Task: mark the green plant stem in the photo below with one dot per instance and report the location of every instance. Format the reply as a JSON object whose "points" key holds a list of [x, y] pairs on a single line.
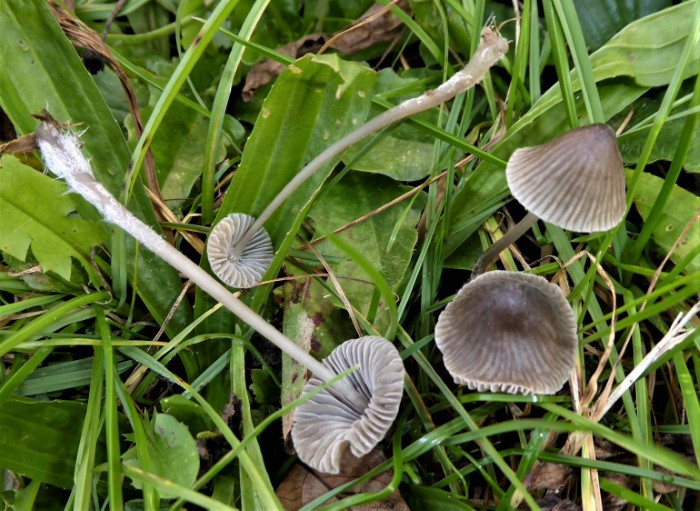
{"points": [[490, 51]]}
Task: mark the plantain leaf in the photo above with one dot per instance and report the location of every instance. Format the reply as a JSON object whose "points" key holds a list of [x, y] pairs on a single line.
{"points": [[35, 211], [316, 101], [601, 19]]}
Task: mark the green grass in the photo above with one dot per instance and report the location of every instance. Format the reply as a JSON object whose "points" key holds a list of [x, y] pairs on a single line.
{"points": [[93, 352]]}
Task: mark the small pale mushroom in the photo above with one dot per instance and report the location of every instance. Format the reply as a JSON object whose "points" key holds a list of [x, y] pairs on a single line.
{"points": [[508, 332], [330, 423], [575, 181], [236, 264]]}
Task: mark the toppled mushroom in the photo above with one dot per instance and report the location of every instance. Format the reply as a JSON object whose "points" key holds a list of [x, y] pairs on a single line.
{"points": [[330, 423], [575, 181], [235, 264], [508, 332]]}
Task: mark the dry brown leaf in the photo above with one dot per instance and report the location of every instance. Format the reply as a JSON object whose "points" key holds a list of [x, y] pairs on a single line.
{"points": [[302, 486], [20, 145], [552, 502], [267, 70], [376, 25], [549, 476]]}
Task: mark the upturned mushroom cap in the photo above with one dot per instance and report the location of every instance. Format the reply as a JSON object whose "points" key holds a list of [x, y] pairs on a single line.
{"points": [[508, 332], [239, 267], [328, 424], [575, 181]]}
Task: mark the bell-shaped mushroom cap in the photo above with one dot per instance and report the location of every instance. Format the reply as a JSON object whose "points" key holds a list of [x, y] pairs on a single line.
{"points": [[239, 266], [508, 332], [328, 424], [575, 181]]}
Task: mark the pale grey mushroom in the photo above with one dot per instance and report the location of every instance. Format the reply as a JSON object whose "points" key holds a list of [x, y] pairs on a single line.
{"points": [[239, 265], [330, 423], [575, 181], [508, 332]]}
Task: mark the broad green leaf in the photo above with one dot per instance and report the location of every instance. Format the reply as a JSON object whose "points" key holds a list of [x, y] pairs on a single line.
{"points": [[601, 19], [316, 101], [173, 453], [632, 52], [37, 212], [631, 142], [39, 68], [386, 239], [40, 439], [403, 152], [683, 205]]}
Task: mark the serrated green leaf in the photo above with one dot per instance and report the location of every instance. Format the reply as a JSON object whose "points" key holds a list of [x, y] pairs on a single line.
{"points": [[39, 68], [673, 220], [188, 412], [40, 439], [35, 211]]}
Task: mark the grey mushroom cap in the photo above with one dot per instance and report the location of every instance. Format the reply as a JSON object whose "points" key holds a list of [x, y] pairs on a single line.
{"points": [[327, 425], [239, 267], [575, 181], [508, 332]]}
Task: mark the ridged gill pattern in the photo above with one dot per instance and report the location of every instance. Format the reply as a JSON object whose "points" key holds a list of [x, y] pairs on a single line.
{"points": [[508, 332], [575, 181], [328, 424], [244, 269]]}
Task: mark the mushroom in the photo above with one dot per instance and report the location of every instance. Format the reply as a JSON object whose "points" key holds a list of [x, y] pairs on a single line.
{"points": [[330, 423], [63, 156], [508, 332], [239, 268], [575, 181], [489, 51]]}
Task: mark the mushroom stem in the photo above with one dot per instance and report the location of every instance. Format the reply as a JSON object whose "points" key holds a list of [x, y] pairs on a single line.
{"points": [[488, 257], [490, 51], [63, 157]]}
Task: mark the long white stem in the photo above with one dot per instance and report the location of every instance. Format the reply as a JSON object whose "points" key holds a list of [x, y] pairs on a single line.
{"points": [[62, 155], [490, 51]]}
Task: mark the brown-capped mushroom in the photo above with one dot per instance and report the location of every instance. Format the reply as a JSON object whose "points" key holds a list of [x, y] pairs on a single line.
{"points": [[575, 181], [330, 423], [239, 265], [508, 332]]}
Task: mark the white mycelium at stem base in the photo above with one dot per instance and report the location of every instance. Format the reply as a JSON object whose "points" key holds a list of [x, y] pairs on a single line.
{"points": [[490, 51], [62, 155]]}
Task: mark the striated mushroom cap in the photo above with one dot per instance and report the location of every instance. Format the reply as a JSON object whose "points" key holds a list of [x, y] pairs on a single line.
{"points": [[328, 424], [239, 266], [508, 332], [575, 181]]}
